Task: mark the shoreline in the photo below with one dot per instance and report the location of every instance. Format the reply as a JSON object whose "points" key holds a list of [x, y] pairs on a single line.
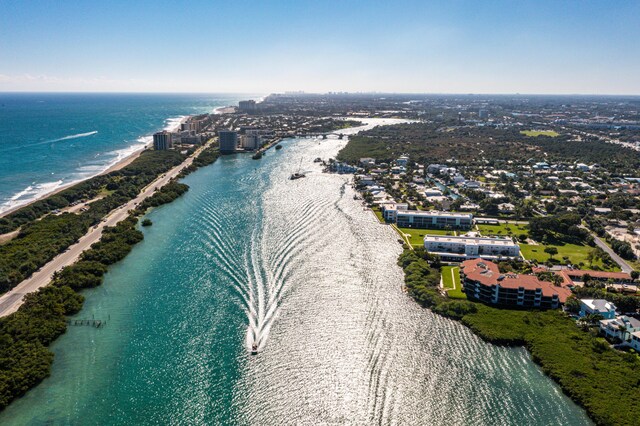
{"points": [[46, 273], [496, 327], [117, 165], [64, 298], [472, 319]]}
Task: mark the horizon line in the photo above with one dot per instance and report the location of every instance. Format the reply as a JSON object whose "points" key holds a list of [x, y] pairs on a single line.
{"points": [[299, 92]]}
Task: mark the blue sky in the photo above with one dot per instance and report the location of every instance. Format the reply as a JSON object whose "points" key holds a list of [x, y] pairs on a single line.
{"points": [[265, 46]]}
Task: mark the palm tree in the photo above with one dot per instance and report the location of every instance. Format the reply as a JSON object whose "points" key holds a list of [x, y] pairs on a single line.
{"points": [[623, 333], [592, 319]]}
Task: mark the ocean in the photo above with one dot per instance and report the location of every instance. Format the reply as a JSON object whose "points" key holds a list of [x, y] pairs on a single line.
{"points": [[48, 140], [302, 269]]}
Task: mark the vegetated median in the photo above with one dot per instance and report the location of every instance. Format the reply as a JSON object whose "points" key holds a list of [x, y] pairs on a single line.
{"points": [[25, 335], [603, 381], [44, 235]]}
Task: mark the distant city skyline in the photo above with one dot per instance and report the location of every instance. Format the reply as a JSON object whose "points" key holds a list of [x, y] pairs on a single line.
{"points": [[541, 47]]}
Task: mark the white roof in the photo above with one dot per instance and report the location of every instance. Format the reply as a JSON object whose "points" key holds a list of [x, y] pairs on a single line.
{"points": [[437, 214], [507, 242], [599, 304]]}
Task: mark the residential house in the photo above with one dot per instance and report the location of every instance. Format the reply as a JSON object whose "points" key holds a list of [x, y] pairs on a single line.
{"points": [[367, 162], [635, 341], [597, 306], [619, 327]]}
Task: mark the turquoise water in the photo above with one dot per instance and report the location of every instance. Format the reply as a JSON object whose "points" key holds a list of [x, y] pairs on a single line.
{"points": [[49, 139], [300, 267]]}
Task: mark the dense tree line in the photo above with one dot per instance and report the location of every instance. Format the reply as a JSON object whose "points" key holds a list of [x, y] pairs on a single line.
{"points": [[39, 241], [25, 359], [560, 228], [624, 303], [578, 361], [165, 195], [24, 336], [208, 156], [482, 146], [596, 224], [139, 173], [331, 124], [622, 248]]}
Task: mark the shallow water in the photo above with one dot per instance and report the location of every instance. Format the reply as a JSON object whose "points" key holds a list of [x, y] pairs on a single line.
{"points": [[300, 267], [48, 140]]}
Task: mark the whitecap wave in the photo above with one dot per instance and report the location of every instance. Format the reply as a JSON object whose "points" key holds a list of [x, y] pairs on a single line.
{"points": [[30, 193], [87, 171], [173, 123]]}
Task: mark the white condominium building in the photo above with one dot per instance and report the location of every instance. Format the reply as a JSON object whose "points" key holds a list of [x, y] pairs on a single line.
{"points": [[463, 248], [433, 219]]}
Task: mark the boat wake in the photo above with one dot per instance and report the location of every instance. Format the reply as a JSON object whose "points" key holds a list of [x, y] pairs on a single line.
{"points": [[76, 136], [64, 138], [287, 222], [277, 250]]}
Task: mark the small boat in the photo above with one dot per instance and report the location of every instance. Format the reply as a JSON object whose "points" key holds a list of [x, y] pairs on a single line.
{"points": [[257, 156], [278, 147], [298, 174], [254, 349]]}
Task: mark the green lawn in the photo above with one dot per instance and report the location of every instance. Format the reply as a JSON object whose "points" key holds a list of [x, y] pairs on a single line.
{"points": [[451, 280], [417, 235], [503, 229], [534, 133], [379, 215], [577, 360], [575, 253]]}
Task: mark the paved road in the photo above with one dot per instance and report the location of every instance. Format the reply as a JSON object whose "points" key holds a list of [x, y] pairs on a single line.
{"points": [[624, 266], [12, 300]]}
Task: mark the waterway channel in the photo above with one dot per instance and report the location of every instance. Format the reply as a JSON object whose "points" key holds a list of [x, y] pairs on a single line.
{"points": [[301, 268]]}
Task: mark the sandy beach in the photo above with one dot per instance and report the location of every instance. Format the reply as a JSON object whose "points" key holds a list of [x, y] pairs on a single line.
{"points": [[116, 166], [225, 110]]}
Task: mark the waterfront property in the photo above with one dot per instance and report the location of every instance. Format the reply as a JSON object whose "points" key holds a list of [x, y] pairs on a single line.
{"points": [[597, 307], [460, 248], [634, 343], [228, 141], [433, 219], [482, 281], [391, 210], [162, 141], [619, 327]]}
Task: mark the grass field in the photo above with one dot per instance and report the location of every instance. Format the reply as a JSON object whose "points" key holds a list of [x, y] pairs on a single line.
{"points": [[451, 281], [540, 133], [503, 229], [379, 215], [577, 360], [575, 253], [417, 235]]}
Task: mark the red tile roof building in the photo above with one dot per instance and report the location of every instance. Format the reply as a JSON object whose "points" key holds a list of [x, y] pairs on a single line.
{"points": [[571, 275], [483, 281]]}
